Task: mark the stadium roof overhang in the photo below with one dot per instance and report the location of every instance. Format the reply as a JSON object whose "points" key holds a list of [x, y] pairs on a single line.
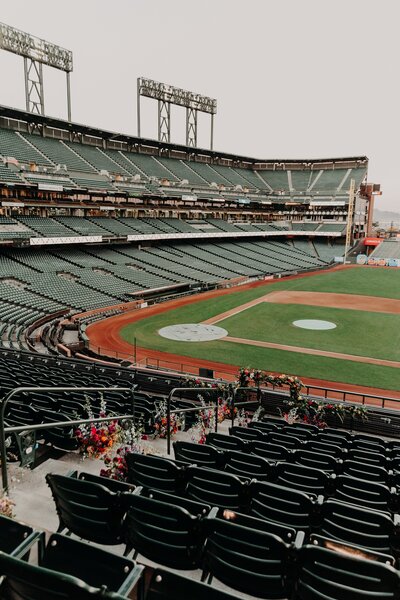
{"points": [[51, 122]]}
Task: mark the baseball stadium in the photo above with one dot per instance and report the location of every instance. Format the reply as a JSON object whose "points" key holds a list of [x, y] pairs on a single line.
{"points": [[217, 335]]}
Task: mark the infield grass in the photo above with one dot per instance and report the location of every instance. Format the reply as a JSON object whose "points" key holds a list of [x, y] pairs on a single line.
{"points": [[372, 335]]}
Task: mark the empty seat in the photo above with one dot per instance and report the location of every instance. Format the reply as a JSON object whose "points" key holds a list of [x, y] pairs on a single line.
{"points": [[335, 440], [15, 537], [165, 533], [371, 458], [89, 510], [368, 446], [323, 573], [316, 460], [366, 471], [246, 559], [243, 464], [288, 441], [201, 455], [154, 472], [355, 525], [282, 505], [68, 569], [247, 433], [225, 442], [331, 449], [193, 507], [304, 479], [301, 434], [364, 493], [165, 585], [337, 432], [215, 488], [263, 426], [271, 452]]}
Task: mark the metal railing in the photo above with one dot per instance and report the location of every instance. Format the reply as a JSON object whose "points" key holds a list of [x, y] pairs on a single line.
{"points": [[4, 401], [351, 396], [214, 406]]}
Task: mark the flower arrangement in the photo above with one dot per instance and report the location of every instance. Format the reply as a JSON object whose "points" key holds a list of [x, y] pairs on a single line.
{"points": [[96, 439], [7, 506], [160, 421], [115, 466]]}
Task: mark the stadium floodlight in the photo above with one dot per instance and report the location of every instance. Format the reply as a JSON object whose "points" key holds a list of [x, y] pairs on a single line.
{"points": [[167, 95], [36, 53]]}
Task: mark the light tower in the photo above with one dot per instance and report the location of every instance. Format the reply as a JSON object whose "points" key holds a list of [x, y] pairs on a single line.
{"points": [[36, 53]]}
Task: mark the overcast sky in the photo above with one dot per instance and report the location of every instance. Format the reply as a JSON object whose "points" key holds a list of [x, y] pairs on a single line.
{"points": [[293, 78]]}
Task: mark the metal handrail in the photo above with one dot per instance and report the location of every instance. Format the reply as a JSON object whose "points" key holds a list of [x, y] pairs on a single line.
{"points": [[4, 401], [200, 408], [194, 409]]}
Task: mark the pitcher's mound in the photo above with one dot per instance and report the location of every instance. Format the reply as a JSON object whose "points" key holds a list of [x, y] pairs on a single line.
{"points": [[193, 332]]}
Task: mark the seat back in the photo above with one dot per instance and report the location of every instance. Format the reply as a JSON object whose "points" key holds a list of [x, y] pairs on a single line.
{"points": [[282, 505], [97, 567], [263, 427], [193, 507], [165, 585], [331, 449], [352, 524], [247, 560], [371, 458], [333, 439], [269, 451], [243, 464], [362, 470], [316, 460], [198, 454], [247, 433], [304, 479], [301, 434], [363, 493], [13, 536], [162, 532], [154, 472], [215, 488], [25, 581], [368, 446], [89, 510], [225, 442], [287, 534], [283, 439], [60, 437], [111, 484], [331, 575]]}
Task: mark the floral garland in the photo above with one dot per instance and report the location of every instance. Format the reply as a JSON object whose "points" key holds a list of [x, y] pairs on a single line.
{"points": [[301, 408], [246, 377]]}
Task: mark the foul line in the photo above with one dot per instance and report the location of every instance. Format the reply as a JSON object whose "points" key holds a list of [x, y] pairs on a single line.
{"points": [[302, 350]]}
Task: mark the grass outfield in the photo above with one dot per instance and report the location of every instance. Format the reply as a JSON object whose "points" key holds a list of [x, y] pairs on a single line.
{"points": [[357, 332], [361, 280]]}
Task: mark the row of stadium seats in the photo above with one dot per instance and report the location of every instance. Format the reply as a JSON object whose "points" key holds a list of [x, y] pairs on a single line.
{"points": [[387, 249], [38, 282], [27, 226], [90, 161], [244, 554], [250, 553]]}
